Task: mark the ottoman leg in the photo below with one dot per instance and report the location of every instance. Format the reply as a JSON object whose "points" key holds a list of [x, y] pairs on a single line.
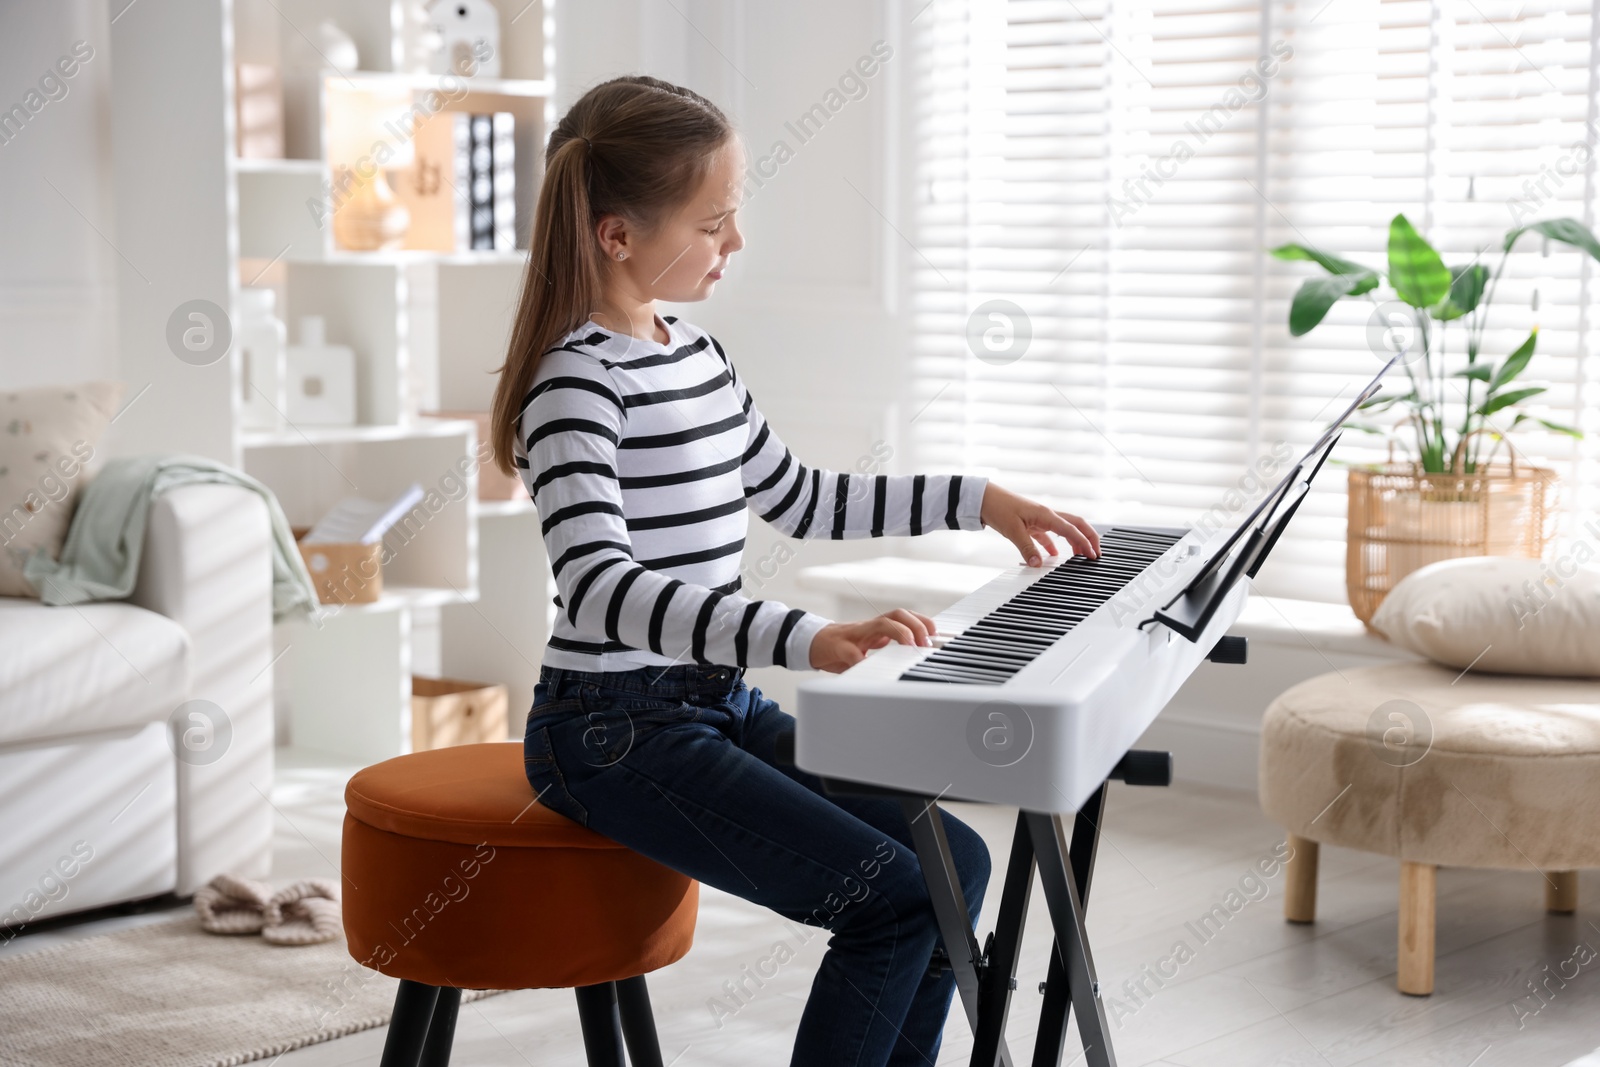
{"points": [[442, 1030], [638, 1022], [1561, 892], [602, 1029], [1416, 928], [1300, 881], [408, 1027]]}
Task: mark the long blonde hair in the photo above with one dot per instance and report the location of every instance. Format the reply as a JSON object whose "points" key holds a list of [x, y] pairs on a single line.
{"points": [[634, 146]]}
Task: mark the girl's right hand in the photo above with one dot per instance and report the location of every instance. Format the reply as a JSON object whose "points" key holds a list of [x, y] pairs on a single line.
{"points": [[839, 646]]}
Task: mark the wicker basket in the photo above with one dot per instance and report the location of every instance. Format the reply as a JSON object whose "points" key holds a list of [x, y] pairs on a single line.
{"points": [[1401, 519]]}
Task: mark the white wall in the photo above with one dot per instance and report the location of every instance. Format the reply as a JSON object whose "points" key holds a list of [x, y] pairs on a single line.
{"points": [[57, 269]]}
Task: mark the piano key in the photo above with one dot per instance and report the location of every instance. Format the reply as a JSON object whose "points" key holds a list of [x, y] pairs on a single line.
{"points": [[990, 644], [1024, 627], [960, 672], [1035, 597], [970, 653], [977, 663], [1030, 646], [1006, 621], [914, 676], [1050, 618], [1042, 613]]}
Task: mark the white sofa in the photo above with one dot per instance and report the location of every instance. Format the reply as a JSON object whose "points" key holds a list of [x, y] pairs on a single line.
{"points": [[96, 807]]}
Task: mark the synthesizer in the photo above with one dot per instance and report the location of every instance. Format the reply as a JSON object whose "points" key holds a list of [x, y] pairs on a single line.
{"points": [[1037, 684]]}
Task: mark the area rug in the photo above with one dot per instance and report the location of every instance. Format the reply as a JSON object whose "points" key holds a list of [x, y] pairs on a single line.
{"points": [[168, 994]]}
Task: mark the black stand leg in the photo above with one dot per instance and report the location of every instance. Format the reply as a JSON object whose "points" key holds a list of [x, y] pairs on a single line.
{"points": [[1053, 1012], [1057, 990], [986, 979], [949, 905], [442, 1030], [1066, 914], [408, 1027], [638, 1022], [999, 977], [602, 1028], [1086, 839]]}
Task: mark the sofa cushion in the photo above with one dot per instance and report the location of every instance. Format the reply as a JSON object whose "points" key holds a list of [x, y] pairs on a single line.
{"points": [[47, 450], [87, 668]]}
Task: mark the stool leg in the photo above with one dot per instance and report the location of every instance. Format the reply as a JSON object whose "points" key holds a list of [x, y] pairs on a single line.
{"points": [[1416, 928], [602, 1028], [1300, 881], [408, 1028], [1561, 892], [442, 1030], [638, 1022]]}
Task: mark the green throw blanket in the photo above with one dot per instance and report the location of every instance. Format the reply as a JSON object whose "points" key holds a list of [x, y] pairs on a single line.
{"points": [[100, 559]]}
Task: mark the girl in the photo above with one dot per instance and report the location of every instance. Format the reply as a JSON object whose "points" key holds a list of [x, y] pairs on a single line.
{"points": [[642, 449]]}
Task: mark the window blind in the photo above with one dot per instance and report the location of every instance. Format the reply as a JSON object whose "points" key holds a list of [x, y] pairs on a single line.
{"points": [[1094, 319]]}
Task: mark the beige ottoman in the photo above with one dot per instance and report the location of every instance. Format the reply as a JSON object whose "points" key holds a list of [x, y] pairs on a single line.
{"points": [[1437, 768]]}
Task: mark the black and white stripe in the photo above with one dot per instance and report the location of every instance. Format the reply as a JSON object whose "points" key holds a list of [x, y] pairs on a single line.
{"points": [[643, 459]]}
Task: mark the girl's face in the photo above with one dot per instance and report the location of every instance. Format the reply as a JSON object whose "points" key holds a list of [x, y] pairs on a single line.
{"points": [[681, 261]]}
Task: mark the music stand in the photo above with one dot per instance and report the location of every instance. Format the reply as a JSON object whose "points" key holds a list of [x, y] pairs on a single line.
{"points": [[1191, 609]]}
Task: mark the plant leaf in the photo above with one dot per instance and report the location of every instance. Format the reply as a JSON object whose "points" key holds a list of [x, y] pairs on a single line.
{"points": [[1478, 372], [1567, 231], [1385, 402], [1554, 427], [1316, 295], [1558, 428], [1330, 263], [1505, 400], [1514, 364], [1466, 289], [1418, 275], [1467, 285]]}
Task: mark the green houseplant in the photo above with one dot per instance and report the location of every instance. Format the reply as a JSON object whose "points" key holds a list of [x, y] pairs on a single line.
{"points": [[1448, 498]]}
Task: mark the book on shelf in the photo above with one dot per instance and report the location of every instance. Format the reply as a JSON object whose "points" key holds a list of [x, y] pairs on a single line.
{"points": [[356, 521], [461, 191], [490, 180], [427, 187]]}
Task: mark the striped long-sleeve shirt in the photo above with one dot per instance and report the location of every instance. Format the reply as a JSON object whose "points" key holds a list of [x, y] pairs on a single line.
{"points": [[642, 459]]}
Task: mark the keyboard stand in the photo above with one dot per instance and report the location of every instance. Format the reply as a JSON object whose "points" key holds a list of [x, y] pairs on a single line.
{"points": [[986, 978]]}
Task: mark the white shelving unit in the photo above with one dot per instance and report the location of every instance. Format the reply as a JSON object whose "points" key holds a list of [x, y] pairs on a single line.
{"points": [[427, 328]]}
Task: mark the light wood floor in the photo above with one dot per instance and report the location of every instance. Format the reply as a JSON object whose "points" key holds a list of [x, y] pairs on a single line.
{"points": [[1256, 992]]}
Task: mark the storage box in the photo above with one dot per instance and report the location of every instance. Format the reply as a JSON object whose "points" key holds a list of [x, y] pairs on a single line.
{"points": [[447, 711], [343, 573]]}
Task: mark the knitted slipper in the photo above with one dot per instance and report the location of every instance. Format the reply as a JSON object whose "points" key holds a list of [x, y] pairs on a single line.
{"points": [[304, 913], [231, 905]]}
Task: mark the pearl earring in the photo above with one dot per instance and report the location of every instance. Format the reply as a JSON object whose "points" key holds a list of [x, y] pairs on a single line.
{"points": [[622, 255]]}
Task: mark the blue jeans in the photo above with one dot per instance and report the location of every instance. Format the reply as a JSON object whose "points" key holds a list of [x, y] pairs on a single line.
{"points": [[677, 763]]}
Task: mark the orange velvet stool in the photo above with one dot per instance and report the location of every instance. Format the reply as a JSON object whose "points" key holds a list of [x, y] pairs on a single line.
{"points": [[455, 878]]}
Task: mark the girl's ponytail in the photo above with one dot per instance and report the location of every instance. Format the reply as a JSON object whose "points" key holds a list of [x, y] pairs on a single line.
{"points": [[634, 146]]}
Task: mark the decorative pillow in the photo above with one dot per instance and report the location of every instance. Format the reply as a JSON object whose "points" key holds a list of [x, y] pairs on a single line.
{"points": [[1500, 614], [47, 450]]}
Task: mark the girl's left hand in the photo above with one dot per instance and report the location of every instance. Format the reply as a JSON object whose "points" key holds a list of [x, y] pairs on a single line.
{"points": [[1023, 521]]}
